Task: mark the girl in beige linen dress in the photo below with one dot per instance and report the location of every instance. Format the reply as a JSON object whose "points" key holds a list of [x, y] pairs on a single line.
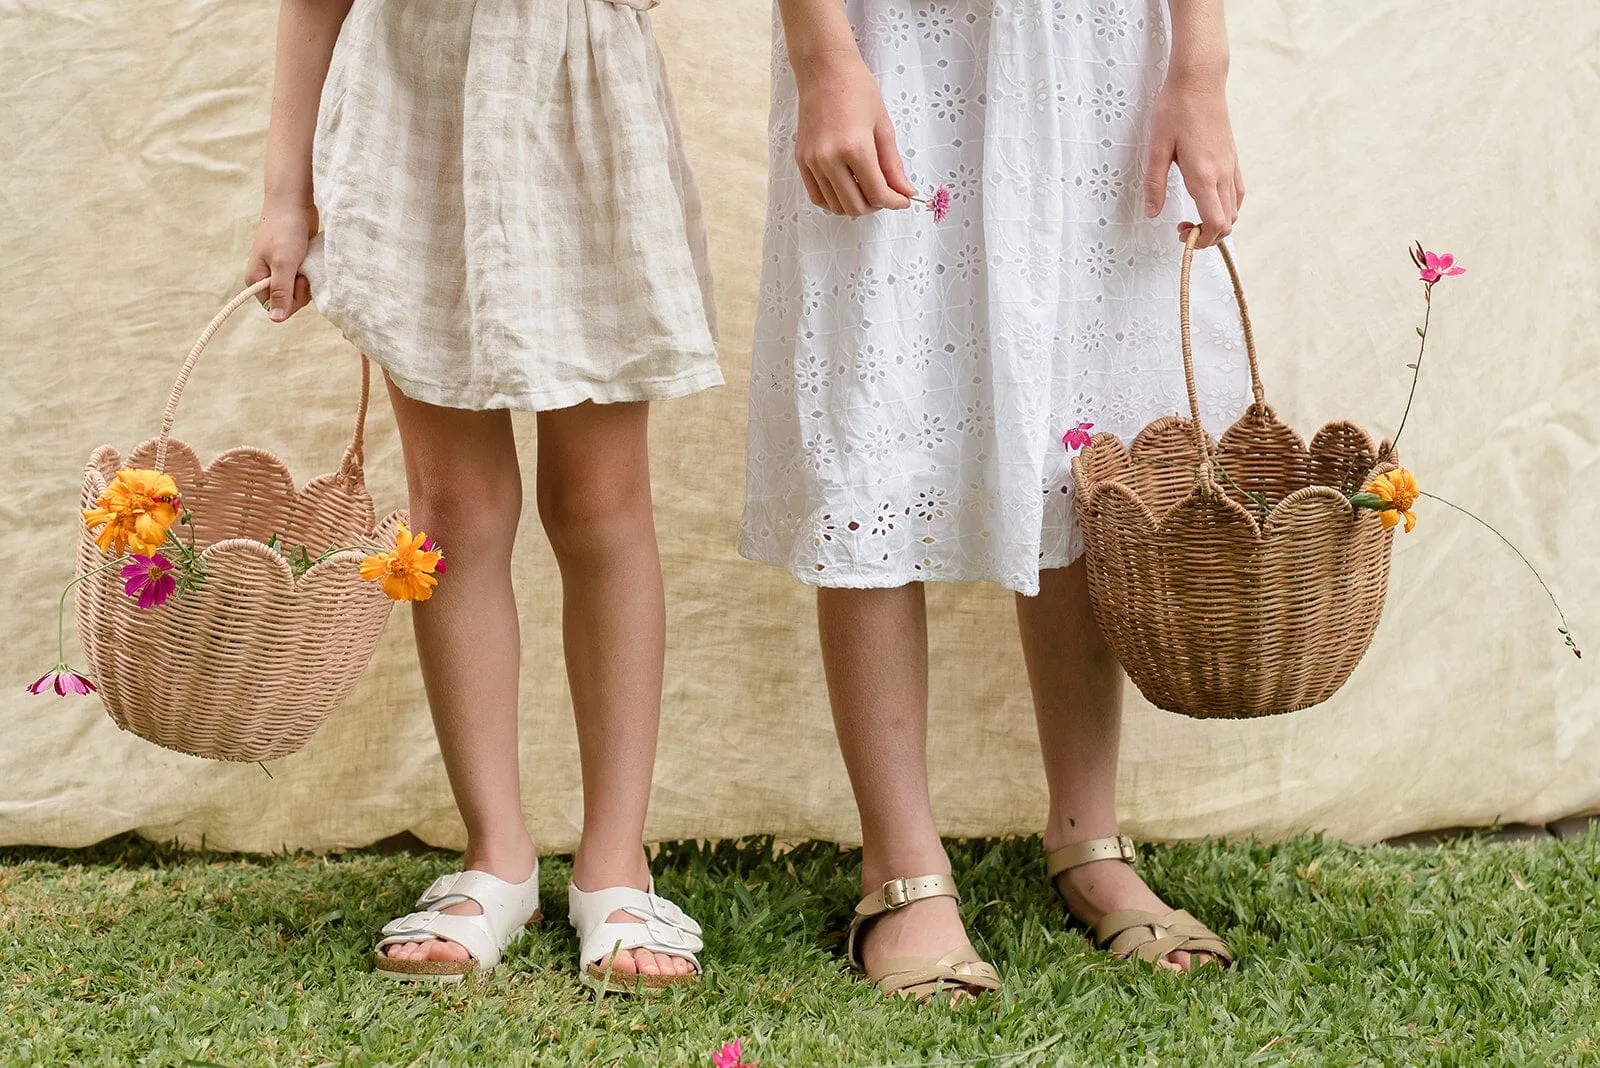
{"points": [[507, 221]]}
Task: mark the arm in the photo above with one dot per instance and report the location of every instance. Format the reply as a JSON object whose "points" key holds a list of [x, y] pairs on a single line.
{"points": [[1190, 125], [307, 30], [844, 145]]}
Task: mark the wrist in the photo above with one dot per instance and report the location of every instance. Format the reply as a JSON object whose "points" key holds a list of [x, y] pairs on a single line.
{"points": [[823, 64], [1199, 73], [285, 202]]}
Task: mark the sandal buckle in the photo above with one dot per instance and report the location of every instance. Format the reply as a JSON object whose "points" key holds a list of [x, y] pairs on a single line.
{"points": [[895, 895], [1125, 849]]}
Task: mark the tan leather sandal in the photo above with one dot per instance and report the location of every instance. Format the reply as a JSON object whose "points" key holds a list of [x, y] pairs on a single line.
{"points": [[920, 978], [1129, 933]]}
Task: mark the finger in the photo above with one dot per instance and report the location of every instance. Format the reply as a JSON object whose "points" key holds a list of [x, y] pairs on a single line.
{"points": [[280, 294], [830, 195], [845, 188], [302, 293], [873, 185], [1157, 168], [1212, 220], [1230, 205], [813, 190], [893, 167], [1238, 188]]}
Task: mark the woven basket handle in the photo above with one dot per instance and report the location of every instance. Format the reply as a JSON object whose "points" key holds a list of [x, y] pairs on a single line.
{"points": [[1201, 440], [350, 467]]}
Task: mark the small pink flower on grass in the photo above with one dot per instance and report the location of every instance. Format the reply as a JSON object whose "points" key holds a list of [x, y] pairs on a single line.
{"points": [[63, 680], [431, 546], [938, 202], [1077, 437], [1433, 266], [731, 1055], [149, 578]]}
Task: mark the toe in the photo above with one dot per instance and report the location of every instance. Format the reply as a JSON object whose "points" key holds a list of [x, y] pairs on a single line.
{"points": [[647, 962], [622, 964], [443, 950], [1179, 960]]}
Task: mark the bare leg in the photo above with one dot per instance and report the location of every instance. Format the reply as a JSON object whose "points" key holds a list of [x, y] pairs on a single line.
{"points": [[875, 652], [594, 500], [466, 491], [1077, 696]]}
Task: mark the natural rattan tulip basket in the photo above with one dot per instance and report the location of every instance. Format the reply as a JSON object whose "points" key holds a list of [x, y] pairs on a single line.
{"points": [[248, 665], [1233, 578]]}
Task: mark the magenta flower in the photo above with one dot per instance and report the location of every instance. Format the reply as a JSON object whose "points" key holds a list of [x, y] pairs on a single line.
{"points": [[1433, 266], [731, 1055], [1077, 437], [150, 579], [939, 203], [63, 680], [431, 546]]}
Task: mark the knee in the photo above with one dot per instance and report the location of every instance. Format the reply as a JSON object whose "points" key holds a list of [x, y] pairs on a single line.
{"points": [[593, 516], [467, 504]]}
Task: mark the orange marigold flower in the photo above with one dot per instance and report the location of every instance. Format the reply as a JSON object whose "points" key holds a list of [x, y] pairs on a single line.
{"points": [[134, 512], [1398, 491], [406, 571]]}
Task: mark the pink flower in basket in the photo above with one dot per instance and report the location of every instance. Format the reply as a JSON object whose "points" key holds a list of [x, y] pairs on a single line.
{"points": [[150, 580], [1078, 437], [63, 680]]}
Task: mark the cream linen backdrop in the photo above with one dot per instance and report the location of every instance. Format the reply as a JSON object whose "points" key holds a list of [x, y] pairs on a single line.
{"points": [[132, 138]]}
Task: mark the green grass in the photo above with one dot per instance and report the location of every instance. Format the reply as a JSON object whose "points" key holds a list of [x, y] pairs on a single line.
{"points": [[1470, 954]]}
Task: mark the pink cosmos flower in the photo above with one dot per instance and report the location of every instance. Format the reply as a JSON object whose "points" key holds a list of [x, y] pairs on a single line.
{"points": [[1077, 437], [63, 680], [149, 579], [1433, 266], [431, 546], [940, 204], [731, 1055]]}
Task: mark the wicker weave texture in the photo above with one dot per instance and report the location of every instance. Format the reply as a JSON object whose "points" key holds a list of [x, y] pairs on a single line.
{"points": [[250, 665], [1216, 606]]}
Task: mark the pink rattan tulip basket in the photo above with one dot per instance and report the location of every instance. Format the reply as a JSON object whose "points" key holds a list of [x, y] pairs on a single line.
{"points": [[251, 663]]}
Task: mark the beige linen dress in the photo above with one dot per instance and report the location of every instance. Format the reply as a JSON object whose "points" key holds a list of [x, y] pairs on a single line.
{"points": [[508, 217]]}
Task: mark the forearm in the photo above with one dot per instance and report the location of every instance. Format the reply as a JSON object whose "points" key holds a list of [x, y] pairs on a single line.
{"points": [[307, 31], [818, 34], [1199, 41]]}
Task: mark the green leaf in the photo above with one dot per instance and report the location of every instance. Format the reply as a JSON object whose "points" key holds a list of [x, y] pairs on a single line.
{"points": [[1421, 332], [1412, 366]]}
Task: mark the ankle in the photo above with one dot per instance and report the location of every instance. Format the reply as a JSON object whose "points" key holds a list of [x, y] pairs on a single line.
{"points": [[1064, 831], [879, 869], [598, 866], [512, 858]]}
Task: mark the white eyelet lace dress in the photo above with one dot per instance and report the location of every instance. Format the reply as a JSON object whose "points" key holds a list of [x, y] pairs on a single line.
{"points": [[912, 381], [508, 217]]}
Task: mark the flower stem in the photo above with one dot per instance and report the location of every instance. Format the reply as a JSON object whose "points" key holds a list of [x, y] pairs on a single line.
{"points": [[61, 608], [1565, 629], [1416, 369]]}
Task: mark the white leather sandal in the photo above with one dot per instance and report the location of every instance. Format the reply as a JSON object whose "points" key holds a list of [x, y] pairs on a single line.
{"points": [[663, 928], [509, 909]]}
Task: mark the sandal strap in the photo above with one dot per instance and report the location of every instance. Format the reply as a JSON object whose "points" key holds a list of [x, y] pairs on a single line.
{"points": [[898, 893], [895, 894], [507, 908], [663, 926], [923, 977], [1135, 933], [1116, 847]]}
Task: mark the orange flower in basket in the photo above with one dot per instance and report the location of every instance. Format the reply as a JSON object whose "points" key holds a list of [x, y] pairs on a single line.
{"points": [[134, 512], [1398, 491], [407, 570]]}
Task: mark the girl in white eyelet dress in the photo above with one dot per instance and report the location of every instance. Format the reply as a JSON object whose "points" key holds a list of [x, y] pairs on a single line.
{"points": [[912, 382]]}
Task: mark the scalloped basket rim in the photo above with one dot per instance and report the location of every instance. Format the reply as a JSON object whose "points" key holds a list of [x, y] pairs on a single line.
{"points": [[99, 467], [1124, 455]]}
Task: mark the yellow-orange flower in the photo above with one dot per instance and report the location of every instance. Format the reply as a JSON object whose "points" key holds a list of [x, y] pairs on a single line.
{"points": [[134, 512], [1398, 491], [407, 570]]}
